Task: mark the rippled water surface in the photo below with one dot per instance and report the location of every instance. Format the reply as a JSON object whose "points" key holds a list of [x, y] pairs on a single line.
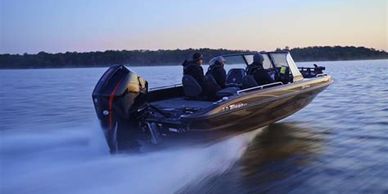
{"points": [[51, 143]]}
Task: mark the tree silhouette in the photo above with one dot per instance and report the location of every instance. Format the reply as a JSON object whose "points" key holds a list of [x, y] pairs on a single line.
{"points": [[172, 57]]}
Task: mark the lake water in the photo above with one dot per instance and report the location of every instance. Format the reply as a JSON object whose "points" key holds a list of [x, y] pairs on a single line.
{"points": [[51, 142]]}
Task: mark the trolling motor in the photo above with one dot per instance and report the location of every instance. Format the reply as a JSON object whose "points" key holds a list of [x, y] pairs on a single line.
{"points": [[117, 96], [310, 72], [319, 69]]}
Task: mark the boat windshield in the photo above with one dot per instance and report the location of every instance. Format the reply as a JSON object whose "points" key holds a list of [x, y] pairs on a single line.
{"points": [[234, 60], [285, 60], [243, 60], [266, 63], [272, 60]]}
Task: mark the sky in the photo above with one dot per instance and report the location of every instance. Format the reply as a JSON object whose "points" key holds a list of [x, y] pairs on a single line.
{"points": [[31, 26]]}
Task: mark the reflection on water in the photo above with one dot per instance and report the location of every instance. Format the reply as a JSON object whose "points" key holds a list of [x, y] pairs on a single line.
{"points": [[278, 153], [284, 146]]}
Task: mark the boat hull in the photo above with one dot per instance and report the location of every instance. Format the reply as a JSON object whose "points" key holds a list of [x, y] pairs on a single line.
{"points": [[259, 109], [264, 108]]}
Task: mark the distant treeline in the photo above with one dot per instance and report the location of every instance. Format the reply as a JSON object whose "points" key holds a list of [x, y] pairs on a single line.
{"points": [[171, 57]]}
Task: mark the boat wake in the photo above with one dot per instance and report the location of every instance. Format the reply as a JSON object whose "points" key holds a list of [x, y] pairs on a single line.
{"points": [[78, 161]]}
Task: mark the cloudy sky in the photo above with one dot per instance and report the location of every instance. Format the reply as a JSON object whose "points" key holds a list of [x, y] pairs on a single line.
{"points": [[96, 25]]}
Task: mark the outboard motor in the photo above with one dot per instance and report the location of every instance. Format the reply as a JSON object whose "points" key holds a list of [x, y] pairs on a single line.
{"points": [[116, 97]]}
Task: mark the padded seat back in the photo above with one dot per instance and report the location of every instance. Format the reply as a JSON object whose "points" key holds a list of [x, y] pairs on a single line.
{"points": [[191, 87], [235, 76], [212, 83], [249, 81]]}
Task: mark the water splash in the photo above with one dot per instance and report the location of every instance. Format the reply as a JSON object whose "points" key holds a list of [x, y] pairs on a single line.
{"points": [[78, 161]]}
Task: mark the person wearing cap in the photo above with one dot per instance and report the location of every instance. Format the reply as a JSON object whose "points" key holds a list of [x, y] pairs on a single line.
{"points": [[216, 69], [258, 72], [194, 69]]}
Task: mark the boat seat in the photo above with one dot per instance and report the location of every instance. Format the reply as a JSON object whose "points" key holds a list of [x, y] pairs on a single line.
{"points": [[249, 81], [235, 76], [229, 91], [191, 87], [212, 83]]}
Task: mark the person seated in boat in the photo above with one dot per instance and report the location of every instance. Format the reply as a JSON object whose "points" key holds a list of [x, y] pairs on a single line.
{"points": [[194, 69], [217, 70], [258, 72]]}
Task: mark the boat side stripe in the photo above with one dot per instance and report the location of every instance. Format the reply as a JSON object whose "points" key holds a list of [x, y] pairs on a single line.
{"points": [[111, 98]]}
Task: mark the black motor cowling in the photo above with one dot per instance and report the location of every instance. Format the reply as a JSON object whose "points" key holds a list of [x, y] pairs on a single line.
{"points": [[117, 95]]}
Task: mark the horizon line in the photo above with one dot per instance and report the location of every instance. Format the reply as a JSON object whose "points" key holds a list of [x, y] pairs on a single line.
{"points": [[200, 48]]}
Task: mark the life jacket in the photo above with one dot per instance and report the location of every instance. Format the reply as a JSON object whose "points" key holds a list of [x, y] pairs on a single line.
{"points": [[283, 70]]}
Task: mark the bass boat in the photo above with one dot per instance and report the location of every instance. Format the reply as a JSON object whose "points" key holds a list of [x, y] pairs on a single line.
{"points": [[131, 115]]}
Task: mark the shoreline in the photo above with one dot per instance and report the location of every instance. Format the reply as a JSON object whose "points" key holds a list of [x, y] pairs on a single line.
{"points": [[151, 58], [174, 64]]}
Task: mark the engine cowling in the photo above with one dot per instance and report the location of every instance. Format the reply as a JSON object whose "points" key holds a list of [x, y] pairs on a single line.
{"points": [[116, 96]]}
